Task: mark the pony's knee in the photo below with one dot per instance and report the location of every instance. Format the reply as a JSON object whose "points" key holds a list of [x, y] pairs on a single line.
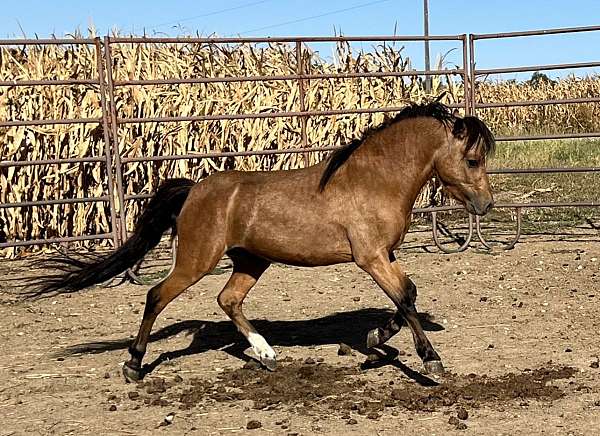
{"points": [[408, 295]]}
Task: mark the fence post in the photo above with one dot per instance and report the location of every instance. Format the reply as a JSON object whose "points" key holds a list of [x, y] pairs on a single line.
{"points": [[114, 128], [472, 72], [300, 71], [466, 76], [426, 44], [107, 145]]}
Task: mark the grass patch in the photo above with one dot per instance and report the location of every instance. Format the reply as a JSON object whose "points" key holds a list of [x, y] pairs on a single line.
{"points": [[550, 153], [551, 188]]}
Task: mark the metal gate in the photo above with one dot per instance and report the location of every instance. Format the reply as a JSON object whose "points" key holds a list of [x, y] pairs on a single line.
{"points": [[115, 165]]}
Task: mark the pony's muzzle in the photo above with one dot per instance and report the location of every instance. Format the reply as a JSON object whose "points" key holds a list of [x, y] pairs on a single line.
{"points": [[479, 204]]}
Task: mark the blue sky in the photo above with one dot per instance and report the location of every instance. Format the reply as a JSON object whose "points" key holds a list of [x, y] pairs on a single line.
{"points": [[323, 18]]}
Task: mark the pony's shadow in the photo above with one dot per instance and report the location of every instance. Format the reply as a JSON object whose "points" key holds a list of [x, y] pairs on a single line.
{"points": [[347, 327]]}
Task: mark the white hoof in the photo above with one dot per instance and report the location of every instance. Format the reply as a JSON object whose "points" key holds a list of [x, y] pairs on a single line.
{"points": [[262, 351]]}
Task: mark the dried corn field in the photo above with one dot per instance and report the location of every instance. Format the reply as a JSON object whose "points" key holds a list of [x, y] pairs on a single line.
{"points": [[164, 61], [542, 119]]}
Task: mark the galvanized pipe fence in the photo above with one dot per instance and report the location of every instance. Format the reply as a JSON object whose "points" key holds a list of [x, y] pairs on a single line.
{"points": [[114, 164]]}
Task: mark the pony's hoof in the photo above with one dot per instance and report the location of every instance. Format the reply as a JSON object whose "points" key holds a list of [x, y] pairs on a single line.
{"points": [[132, 375], [434, 367], [373, 338], [268, 362]]}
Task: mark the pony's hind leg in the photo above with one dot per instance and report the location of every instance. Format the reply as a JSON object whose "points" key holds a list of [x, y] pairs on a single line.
{"points": [[187, 271], [247, 269]]}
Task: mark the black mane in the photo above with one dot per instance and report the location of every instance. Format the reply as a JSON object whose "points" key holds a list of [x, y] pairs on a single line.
{"points": [[477, 132]]}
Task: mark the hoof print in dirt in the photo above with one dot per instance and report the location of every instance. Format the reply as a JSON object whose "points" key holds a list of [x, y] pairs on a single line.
{"points": [[253, 424]]}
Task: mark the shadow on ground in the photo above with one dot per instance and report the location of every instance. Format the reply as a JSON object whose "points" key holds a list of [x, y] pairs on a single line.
{"points": [[343, 327]]}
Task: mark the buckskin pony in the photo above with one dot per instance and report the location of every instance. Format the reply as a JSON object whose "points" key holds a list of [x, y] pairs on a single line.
{"points": [[355, 206]]}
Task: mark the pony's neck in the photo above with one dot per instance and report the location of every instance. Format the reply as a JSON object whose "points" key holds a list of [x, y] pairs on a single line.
{"points": [[400, 157]]}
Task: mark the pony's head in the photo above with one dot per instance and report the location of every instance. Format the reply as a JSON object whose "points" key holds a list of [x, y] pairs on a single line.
{"points": [[460, 164]]}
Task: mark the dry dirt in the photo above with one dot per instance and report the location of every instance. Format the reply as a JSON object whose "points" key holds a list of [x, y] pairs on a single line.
{"points": [[517, 331]]}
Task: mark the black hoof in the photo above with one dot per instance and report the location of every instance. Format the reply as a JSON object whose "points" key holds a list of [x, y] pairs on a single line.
{"points": [[434, 367], [373, 338], [132, 375]]}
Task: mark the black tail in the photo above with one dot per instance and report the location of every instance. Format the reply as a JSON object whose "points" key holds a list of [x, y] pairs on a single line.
{"points": [[157, 218]]}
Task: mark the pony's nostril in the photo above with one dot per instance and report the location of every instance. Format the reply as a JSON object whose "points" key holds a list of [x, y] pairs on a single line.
{"points": [[489, 206]]}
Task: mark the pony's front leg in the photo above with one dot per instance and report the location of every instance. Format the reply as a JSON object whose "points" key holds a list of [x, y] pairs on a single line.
{"points": [[402, 291]]}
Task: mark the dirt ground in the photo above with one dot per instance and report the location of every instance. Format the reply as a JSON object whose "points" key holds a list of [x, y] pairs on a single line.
{"points": [[517, 331]]}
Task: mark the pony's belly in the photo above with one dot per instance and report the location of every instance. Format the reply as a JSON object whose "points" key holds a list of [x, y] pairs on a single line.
{"points": [[308, 247]]}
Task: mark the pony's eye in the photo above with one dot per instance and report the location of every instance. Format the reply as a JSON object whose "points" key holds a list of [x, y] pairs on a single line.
{"points": [[472, 163]]}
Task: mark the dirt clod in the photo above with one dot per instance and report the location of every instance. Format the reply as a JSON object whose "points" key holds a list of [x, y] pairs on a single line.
{"points": [[462, 413], [253, 424], [344, 350]]}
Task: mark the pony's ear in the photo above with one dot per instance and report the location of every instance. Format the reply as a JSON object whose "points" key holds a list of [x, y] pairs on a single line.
{"points": [[455, 113], [459, 130]]}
